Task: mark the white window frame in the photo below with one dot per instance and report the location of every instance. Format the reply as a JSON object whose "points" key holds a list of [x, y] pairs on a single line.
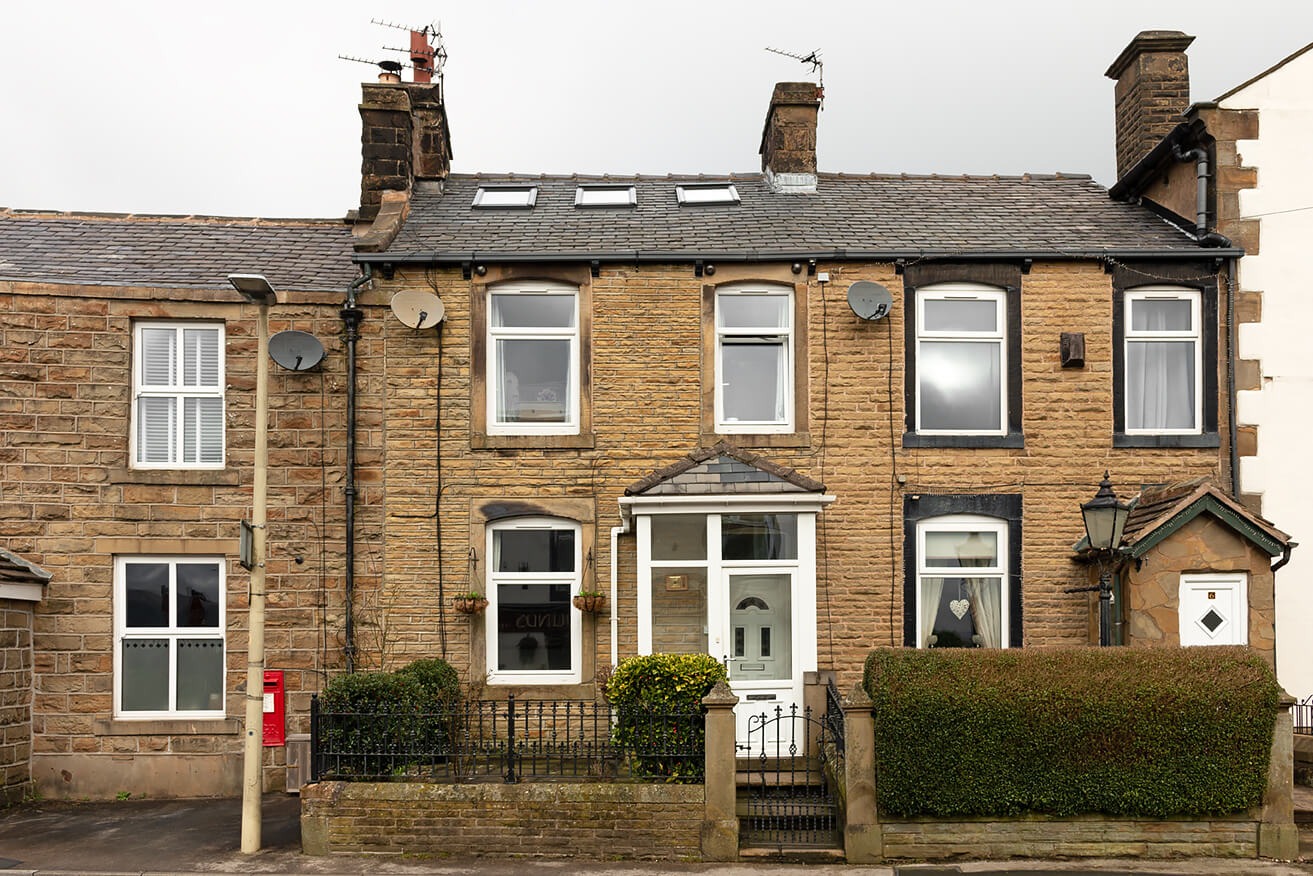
{"points": [[172, 633], [495, 578], [1194, 335], [506, 197], [605, 196], [176, 391], [713, 193], [785, 337], [570, 426], [998, 337], [965, 523]]}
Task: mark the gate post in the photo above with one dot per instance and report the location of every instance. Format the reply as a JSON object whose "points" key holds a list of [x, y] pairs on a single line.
{"points": [[1277, 835], [863, 841], [720, 822]]}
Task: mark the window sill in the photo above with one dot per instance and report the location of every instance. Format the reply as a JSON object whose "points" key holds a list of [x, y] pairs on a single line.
{"points": [[758, 439], [1206, 440], [192, 477], [499, 691], [1013, 440], [480, 441], [169, 727]]}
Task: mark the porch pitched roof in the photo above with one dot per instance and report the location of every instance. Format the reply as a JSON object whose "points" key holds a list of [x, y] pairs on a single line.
{"points": [[20, 579], [1159, 511], [723, 469]]}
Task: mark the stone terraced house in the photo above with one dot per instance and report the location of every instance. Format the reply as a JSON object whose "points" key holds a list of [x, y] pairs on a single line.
{"points": [[770, 416]]}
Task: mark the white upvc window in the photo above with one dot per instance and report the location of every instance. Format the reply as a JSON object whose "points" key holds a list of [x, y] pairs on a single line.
{"points": [[714, 193], [505, 196], [533, 359], [177, 390], [533, 633], [961, 360], [962, 582], [169, 622], [605, 196], [1163, 357], [754, 359]]}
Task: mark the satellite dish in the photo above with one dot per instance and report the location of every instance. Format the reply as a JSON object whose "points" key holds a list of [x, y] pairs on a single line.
{"points": [[417, 308], [870, 300], [296, 351]]}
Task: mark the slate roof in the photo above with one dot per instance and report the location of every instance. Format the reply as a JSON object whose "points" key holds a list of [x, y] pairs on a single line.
{"points": [[721, 469], [16, 570], [1052, 215], [173, 251]]}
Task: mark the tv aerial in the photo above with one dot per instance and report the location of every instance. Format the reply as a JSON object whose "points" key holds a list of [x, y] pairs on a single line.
{"points": [[870, 301], [427, 55], [418, 308], [813, 57], [296, 351]]}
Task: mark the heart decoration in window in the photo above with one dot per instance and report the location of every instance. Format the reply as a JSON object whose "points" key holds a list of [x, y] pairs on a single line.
{"points": [[959, 607]]}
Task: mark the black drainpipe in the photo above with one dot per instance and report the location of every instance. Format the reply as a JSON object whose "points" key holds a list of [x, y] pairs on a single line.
{"points": [[351, 319], [1231, 427]]}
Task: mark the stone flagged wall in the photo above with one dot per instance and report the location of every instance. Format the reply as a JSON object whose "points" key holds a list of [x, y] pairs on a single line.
{"points": [[71, 502], [575, 820], [15, 700]]}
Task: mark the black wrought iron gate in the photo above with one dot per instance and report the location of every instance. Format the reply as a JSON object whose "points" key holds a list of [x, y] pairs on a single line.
{"points": [[786, 779]]}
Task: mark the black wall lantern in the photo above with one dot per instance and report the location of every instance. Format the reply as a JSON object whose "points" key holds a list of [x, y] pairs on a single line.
{"points": [[1105, 520]]}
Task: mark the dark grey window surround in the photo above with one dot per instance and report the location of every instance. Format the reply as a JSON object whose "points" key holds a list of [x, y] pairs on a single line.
{"points": [[1187, 274], [1003, 506], [1000, 275]]}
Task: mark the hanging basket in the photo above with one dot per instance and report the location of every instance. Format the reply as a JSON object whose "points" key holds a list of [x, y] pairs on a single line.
{"points": [[469, 604], [590, 603]]}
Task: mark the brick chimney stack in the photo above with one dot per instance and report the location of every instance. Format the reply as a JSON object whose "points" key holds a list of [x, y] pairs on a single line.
{"points": [[788, 141], [404, 137], [1153, 91]]}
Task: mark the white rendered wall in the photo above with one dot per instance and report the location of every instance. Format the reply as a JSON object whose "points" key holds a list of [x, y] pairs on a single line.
{"points": [[1283, 409]]}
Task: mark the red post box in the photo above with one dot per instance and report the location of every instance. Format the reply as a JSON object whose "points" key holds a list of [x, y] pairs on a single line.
{"points": [[275, 710]]}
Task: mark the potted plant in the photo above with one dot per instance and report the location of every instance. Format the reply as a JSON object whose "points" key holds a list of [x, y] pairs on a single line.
{"points": [[590, 601], [469, 602]]}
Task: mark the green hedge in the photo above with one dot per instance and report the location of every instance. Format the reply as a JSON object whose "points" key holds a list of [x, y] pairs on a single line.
{"points": [[658, 703], [1126, 732], [377, 720]]}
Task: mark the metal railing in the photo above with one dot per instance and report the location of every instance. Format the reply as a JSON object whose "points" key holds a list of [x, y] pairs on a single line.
{"points": [[1302, 713], [508, 741], [834, 717]]}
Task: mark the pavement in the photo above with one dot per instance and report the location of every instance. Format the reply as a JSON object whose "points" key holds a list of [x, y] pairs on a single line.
{"points": [[118, 838]]}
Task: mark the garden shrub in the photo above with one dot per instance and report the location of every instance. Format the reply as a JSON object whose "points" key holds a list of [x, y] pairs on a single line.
{"points": [[1151, 732], [379, 723], [658, 703]]}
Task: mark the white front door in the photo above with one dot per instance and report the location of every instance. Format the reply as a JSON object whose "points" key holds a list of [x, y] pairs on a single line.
{"points": [[1214, 610], [756, 638]]}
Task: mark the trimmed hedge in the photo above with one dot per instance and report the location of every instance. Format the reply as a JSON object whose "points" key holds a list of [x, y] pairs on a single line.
{"points": [[1151, 732], [658, 704]]}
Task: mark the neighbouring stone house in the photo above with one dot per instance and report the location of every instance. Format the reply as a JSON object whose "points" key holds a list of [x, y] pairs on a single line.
{"points": [[771, 416], [1235, 166], [21, 587]]}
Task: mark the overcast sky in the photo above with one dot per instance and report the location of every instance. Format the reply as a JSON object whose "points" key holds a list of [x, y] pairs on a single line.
{"points": [[243, 107]]}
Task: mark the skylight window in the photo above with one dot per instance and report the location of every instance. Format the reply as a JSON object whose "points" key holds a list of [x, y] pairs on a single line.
{"points": [[719, 193], [506, 196], [605, 196]]}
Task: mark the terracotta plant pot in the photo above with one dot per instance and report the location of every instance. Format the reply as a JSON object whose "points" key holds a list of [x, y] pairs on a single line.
{"points": [[592, 604], [469, 604]]}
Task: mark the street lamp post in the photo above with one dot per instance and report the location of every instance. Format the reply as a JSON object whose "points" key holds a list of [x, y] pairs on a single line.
{"points": [[256, 290], [1105, 519]]}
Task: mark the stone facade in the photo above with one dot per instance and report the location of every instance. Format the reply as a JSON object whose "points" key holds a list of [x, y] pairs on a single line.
{"points": [[72, 502], [15, 699]]}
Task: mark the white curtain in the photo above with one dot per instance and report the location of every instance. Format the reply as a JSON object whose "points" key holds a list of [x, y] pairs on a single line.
{"points": [[986, 610], [932, 590], [1160, 373], [781, 380]]}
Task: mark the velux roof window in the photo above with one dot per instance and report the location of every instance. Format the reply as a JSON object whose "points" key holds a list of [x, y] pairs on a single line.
{"points": [[605, 196], [492, 197], [716, 193]]}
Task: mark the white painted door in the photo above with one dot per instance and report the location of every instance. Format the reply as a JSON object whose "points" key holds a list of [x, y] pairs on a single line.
{"points": [[1214, 610], [757, 640]]}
